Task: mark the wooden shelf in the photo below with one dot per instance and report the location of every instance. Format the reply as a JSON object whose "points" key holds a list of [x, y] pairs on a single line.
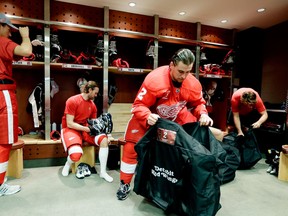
{"points": [[74, 67], [28, 64], [78, 67], [129, 71], [214, 76]]}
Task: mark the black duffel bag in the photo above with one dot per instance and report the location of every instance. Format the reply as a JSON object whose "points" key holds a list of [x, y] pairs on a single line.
{"points": [[247, 146]]}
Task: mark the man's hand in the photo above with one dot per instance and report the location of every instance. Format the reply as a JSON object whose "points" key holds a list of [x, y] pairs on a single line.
{"points": [[24, 32], [205, 120], [37, 42], [256, 125], [240, 134], [152, 119]]}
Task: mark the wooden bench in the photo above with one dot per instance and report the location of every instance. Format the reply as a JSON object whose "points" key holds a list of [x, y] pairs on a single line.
{"points": [[15, 163], [38, 148], [88, 156]]}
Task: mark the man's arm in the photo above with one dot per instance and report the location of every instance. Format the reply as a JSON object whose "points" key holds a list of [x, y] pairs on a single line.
{"points": [[237, 123], [25, 49], [73, 125], [262, 119], [141, 107]]}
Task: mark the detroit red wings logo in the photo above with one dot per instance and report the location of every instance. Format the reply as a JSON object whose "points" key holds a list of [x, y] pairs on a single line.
{"points": [[170, 112]]}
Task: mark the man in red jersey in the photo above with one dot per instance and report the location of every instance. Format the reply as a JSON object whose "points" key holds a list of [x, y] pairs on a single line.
{"points": [[169, 92], [78, 110], [246, 105], [8, 100]]}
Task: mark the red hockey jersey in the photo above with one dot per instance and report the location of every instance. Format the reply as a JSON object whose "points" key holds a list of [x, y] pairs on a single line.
{"points": [[158, 95]]}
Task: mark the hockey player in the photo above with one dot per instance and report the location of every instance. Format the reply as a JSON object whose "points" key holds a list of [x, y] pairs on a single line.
{"points": [[248, 109], [208, 93], [169, 92], [79, 110], [9, 107]]}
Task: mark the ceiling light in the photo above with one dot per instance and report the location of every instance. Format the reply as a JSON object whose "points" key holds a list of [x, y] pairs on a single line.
{"points": [[224, 21], [182, 13], [132, 4], [260, 10]]}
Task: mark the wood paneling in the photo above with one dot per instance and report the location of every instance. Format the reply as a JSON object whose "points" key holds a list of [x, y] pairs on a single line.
{"points": [[131, 22], [178, 29]]}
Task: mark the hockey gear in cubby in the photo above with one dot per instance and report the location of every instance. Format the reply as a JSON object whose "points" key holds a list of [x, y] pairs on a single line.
{"points": [[203, 57], [112, 49], [215, 69], [66, 56], [120, 63], [150, 49], [150, 55], [55, 48], [99, 53], [35, 105], [229, 58], [38, 48], [86, 57]]}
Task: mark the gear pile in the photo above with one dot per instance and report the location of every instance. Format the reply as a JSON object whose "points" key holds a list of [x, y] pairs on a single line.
{"points": [[225, 68]]}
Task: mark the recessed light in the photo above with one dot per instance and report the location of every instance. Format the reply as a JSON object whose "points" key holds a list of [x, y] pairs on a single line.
{"points": [[224, 21], [260, 10], [132, 4], [182, 13]]}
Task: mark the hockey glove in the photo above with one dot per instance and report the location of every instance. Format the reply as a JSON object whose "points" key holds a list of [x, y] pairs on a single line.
{"points": [[107, 119], [96, 126]]}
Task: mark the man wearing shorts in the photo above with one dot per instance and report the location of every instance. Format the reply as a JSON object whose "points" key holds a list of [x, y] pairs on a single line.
{"points": [[78, 110]]}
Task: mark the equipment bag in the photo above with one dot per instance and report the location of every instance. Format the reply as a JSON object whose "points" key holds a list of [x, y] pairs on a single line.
{"points": [[232, 162], [247, 146], [228, 156]]}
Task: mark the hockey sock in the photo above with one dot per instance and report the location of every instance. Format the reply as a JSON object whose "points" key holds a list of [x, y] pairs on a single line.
{"points": [[103, 157], [66, 168]]}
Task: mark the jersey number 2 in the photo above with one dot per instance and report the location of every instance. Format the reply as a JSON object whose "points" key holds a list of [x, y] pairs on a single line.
{"points": [[142, 93]]}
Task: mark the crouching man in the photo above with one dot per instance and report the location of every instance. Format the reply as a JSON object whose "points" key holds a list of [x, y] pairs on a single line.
{"points": [[80, 125]]}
